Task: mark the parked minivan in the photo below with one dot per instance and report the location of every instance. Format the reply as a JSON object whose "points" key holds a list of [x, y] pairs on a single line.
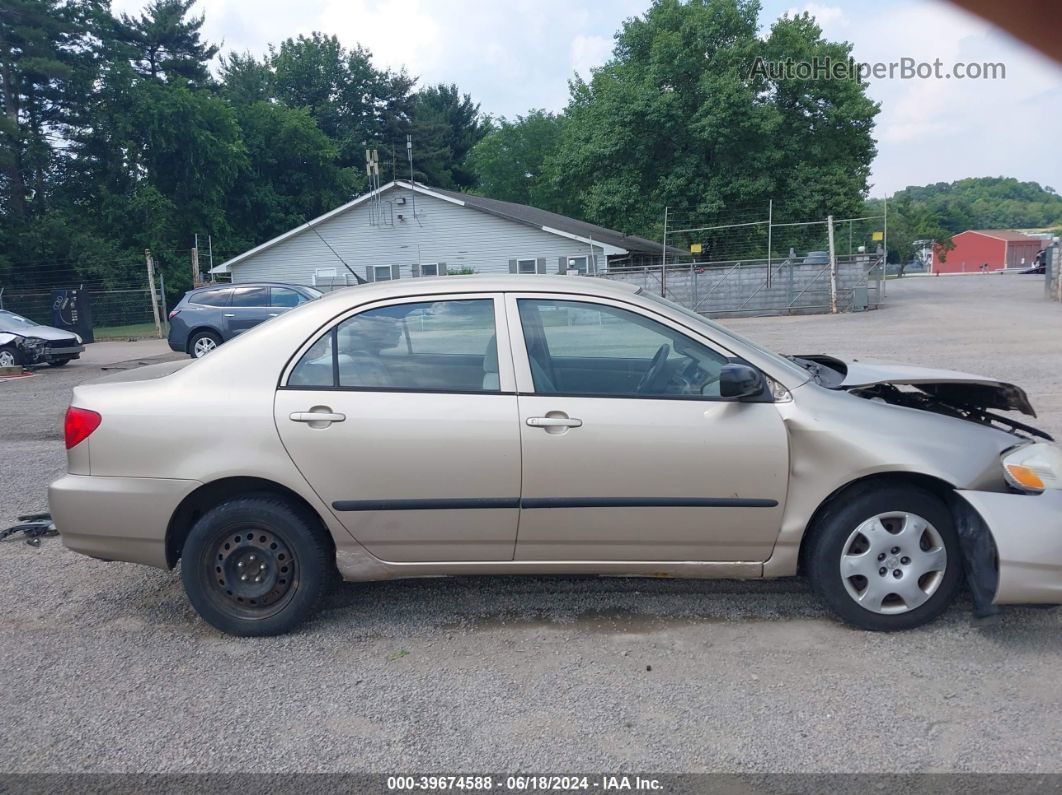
{"points": [[209, 316]]}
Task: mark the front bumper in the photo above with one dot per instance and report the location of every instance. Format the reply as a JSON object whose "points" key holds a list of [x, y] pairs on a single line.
{"points": [[65, 352], [117, 518], [1027, 530]]}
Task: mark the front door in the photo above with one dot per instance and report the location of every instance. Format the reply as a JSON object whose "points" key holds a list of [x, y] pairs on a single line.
{"points": [[629, 453], [402, 417]]}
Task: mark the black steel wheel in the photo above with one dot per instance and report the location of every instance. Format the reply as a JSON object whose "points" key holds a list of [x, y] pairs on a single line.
{"points": [[256, 565]]}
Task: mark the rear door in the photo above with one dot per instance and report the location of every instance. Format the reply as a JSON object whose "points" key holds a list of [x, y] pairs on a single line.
{"points": [[249, 307], [403, 419]]}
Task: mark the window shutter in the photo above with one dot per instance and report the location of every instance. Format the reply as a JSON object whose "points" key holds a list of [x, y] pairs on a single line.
{"points": [[370, 274], [395, 271], [512, 266], [442, 268], [562, 264], [416, 271]]}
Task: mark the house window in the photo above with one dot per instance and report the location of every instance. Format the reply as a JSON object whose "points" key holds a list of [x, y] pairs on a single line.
{"points": [[429, 269], [381, 273], [526, 266], [578, 264]]}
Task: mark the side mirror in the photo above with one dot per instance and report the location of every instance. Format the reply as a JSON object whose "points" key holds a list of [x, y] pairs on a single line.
{"points": [[738, 381]]}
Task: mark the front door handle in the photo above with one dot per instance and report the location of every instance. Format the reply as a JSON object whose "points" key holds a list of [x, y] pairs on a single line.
{"points": [[554, 422], [317, 417], [230, 314]]}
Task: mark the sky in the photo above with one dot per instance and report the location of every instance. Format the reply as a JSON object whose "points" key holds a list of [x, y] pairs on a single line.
{"points": [[515, 55]]}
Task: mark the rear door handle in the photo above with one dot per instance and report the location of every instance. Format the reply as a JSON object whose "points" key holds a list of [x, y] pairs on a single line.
{"points": [[316, 416], [554, 422]]}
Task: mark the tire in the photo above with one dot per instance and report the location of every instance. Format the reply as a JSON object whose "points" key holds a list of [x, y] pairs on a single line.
{"points": [[10, 356], [927, 558], [281, 547], [202, 343], [59, 362]]}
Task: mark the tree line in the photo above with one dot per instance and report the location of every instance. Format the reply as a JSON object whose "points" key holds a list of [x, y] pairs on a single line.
{"points": [[126, 132]]}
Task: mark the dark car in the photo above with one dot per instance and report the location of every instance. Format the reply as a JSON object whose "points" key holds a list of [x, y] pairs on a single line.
{"points": [[209, 316], [23, 342]]}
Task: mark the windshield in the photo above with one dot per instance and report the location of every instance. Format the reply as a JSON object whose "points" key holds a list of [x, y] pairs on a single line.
{"points": [[723, 331], [11, 319]]}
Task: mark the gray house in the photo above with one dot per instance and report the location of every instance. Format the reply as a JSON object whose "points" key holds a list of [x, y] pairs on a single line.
{"points": [[406, 230]]}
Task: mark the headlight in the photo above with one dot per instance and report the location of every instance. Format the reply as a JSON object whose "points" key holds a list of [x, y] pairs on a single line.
{"points": [[1034, 467], [78, 338]]}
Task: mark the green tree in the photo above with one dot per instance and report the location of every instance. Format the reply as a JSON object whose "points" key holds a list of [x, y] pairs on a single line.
{"points": [[244, 79], [446, 125], [164, 42], [510, 162], [679, 117]]}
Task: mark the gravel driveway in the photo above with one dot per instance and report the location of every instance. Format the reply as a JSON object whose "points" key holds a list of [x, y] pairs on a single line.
{"points": [[104, 667]]}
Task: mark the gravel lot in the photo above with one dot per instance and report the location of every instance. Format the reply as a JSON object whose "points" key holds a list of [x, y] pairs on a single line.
{"points": [[104, 667]]}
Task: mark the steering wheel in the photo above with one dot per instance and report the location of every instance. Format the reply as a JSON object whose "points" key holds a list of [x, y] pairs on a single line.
{"points": [[656, 367]]}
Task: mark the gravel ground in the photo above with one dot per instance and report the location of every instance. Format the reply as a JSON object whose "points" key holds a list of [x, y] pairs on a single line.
{"points": [[104, 667]]}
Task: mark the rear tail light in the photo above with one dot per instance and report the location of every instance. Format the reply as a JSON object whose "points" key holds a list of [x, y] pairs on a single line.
{"points": [[173, 313], [80, 423]]}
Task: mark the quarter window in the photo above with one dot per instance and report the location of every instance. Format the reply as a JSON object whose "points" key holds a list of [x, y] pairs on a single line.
{"points": [[576, 347], [285, 296], [447, 346]]}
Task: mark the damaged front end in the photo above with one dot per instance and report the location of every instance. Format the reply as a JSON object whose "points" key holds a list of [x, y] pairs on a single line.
{"points": [[28, 350], [952, 394]]}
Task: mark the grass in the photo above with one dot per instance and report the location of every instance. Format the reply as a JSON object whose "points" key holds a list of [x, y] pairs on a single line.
{"points": [[134, 331]]}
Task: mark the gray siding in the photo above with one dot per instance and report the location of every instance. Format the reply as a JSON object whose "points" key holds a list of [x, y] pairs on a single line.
{"points": [[443, 232]]}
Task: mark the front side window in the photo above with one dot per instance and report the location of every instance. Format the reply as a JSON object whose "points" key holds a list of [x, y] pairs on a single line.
{"points": [[218, 297], [582, 348], [250, 296], [447, 346]]}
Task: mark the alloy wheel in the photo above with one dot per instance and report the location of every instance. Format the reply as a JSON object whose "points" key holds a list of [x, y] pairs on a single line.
{"points": [[203, 346], [7, 359], [893, 562]]}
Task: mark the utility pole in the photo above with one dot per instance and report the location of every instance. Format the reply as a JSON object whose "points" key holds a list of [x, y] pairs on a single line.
{"points": [[412, 188], [833, 267], [196, 278], [151, 286], [210, 252]]}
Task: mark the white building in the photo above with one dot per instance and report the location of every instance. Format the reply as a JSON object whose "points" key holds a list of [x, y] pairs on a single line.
{"points": [[407, 230]]}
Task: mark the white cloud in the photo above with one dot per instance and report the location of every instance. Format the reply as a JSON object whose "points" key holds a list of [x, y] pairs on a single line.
{"points": [[588, 52]]}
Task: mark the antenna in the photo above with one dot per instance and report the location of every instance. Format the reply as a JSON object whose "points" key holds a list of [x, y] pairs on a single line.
{"points": [[352, 273], [412, 185]]}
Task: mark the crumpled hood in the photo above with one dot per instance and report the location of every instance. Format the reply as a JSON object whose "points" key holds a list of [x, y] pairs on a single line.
{"points": [[949, 386]]}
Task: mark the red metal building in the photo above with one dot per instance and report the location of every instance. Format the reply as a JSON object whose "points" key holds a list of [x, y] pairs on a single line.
{"points": [[998, 248]]}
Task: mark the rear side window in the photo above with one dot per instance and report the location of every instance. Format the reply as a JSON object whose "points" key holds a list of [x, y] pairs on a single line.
{"points": [[447, 346], [250, 296], [218, 297]]}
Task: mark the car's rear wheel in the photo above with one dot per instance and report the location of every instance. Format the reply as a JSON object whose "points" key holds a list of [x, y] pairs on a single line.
{"points": [[886, 557], [202, 343], [256, 565], [9, 356]]}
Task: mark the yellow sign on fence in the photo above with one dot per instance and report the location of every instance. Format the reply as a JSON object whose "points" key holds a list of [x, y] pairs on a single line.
{"points": [[877, 236], [695, 248]]}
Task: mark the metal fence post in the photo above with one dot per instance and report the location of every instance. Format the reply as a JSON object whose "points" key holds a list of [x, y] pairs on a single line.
{"points": [[833, 266], [162, 295]]}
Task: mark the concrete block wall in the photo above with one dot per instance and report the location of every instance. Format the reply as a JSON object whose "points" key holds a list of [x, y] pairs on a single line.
{"points": [[742, 290]]}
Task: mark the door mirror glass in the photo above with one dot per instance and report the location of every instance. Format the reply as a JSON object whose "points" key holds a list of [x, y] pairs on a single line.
{"points": [[737, 381]]}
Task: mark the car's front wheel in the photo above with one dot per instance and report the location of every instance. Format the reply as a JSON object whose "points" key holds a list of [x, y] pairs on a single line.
{"points": [[256, 565], [886, 557], [9, 356], [202, 343]]}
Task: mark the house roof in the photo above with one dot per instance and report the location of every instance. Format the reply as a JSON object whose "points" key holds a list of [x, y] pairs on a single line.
{"points": [[1004, 234], [611, 241]]}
